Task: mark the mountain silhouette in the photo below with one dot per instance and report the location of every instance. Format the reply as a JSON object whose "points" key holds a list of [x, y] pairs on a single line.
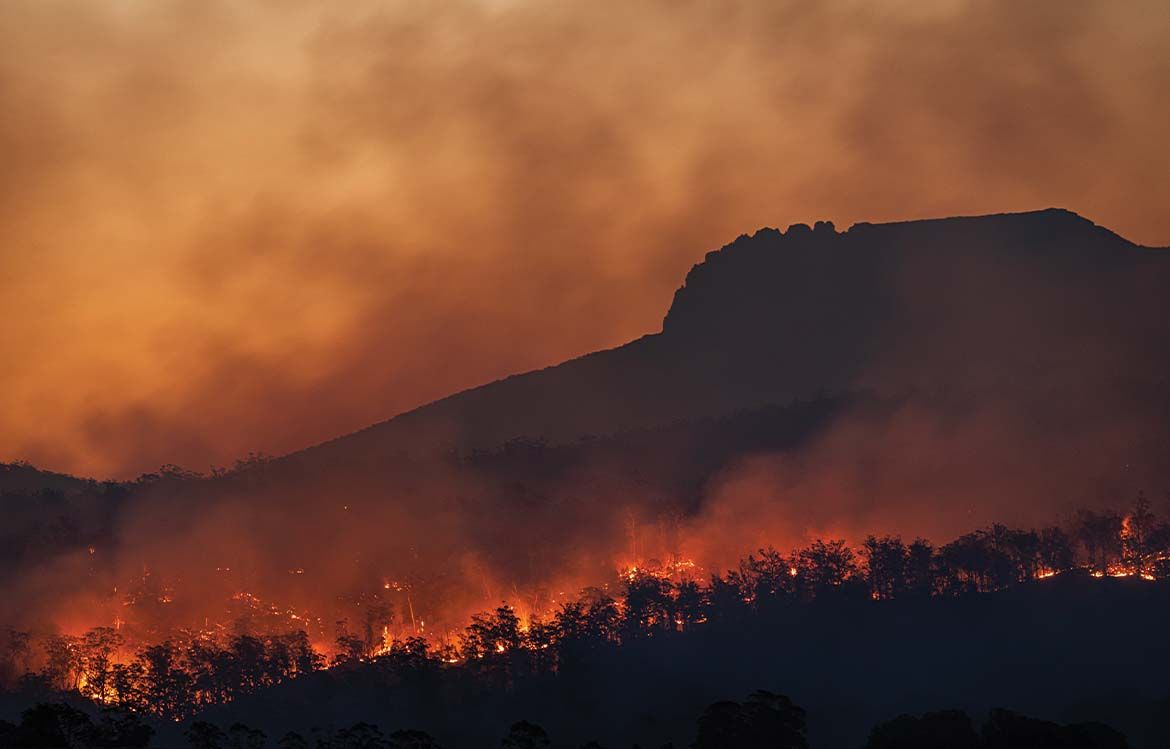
{"points": [[920, 378], [1029, 302], [995, 363]]}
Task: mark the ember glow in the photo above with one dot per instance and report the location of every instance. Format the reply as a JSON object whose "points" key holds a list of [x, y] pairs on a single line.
{"points": [[111, 661], [446, 345]]}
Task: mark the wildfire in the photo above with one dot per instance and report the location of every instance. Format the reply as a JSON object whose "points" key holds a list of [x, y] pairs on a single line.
{"points": [[384, 617], [678, 568]]}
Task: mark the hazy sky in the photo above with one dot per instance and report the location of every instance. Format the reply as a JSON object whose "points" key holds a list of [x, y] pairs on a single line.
{"points": [[253, 225]]}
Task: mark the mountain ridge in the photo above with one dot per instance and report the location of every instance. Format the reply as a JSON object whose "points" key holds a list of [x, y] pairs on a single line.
{"points": [[856, 272], [620, 388]]}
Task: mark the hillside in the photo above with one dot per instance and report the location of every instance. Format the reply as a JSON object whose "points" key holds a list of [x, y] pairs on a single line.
{"points": [[1035, 299], [21, 477], [1037, 649], [920, 378]]}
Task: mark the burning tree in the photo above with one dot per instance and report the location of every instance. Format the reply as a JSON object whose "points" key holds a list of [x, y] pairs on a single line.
{"points": [[1100, 534]]}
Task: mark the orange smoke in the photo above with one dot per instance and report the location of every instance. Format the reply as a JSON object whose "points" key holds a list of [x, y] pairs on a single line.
{"points": [[242, 226]]}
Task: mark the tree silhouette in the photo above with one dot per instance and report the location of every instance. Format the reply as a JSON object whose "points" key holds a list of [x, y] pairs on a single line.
{"points": [[690, 604], [247, 663], [763, 721], [121, 730], [240, 736], [948, 729], [921, 570], [292, 740], [378, 616], [96, 651], [165, 684], [965, 566], [1022, 549], [204, 735], [1008, 730], [727, 601], [1137, 530], [411, 739], [774, 721], [525, 735], [721, 726], [58, 725], [1100, 533], [14, 655], [1056, 551], [490, 635], [350, 648], [767, 578], [887, 561], [825, 567], [648, 606], [359, 736], [62, 661], [55, 725]]}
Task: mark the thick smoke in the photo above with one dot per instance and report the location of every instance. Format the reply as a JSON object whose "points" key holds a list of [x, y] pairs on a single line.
{"points": [[437, 543], [235, 226], [253, 226], [1011, 379], [930, 470]]}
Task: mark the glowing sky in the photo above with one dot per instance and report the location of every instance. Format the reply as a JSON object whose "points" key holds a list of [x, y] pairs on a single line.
{"points": [[233, 226]]}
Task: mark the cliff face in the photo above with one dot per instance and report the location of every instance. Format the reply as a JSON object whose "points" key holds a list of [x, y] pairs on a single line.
{"points": [[948, 302], [824, 282], [1030, 301]]}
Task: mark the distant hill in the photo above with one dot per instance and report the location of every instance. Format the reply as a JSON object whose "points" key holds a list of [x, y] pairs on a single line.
{"points": [[1044, 299], [22, 477], [1026, 303]]}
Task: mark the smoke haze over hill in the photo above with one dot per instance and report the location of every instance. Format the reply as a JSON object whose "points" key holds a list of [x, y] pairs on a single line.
{"points": [[811, 383], [237, 226]]}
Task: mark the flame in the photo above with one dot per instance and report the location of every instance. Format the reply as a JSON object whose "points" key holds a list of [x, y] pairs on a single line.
{"points": [[677, 569], [136, 613]]}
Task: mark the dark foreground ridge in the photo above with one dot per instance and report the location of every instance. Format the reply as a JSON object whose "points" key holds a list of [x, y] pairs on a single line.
{"points": [[1071, 650]]}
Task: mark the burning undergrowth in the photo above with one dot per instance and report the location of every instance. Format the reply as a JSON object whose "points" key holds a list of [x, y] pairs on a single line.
{"points": [[413, 546], [140, 664]]}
